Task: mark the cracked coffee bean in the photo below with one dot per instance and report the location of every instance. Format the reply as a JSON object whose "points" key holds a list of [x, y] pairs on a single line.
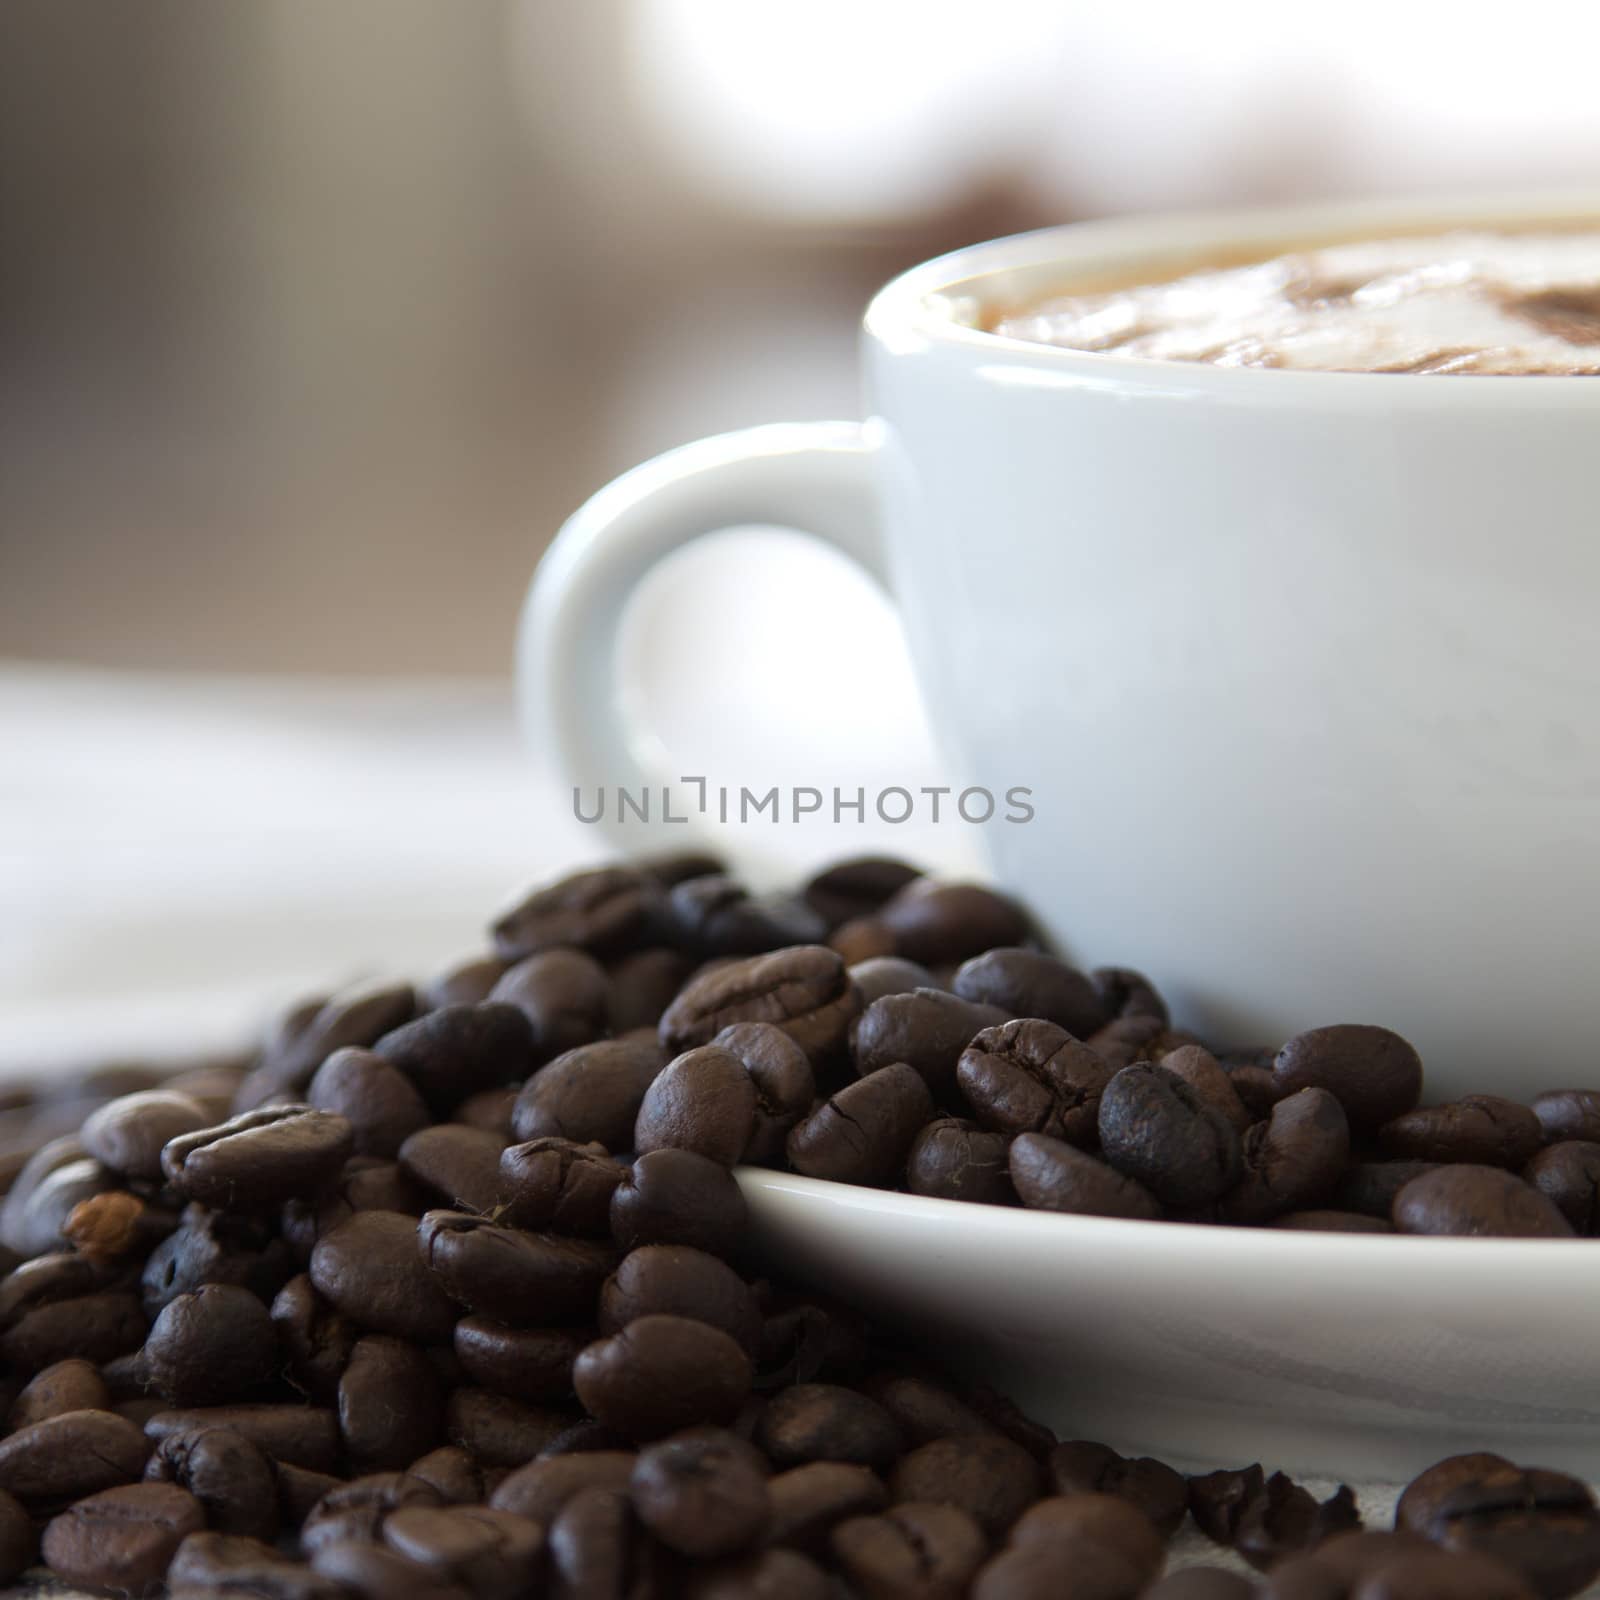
{"points": [[607, 912], [1030, 1076], [259, 1159], [1292, 1161], [863, 1134], [927, 1029], [556, 1186], [952, 1159]]}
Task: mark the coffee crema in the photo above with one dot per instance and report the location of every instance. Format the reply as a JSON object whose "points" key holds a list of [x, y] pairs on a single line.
{"points": [[1480, 302]]}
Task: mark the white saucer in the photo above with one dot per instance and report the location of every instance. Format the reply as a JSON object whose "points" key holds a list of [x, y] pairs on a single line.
{"points": [[1366, 1356]]}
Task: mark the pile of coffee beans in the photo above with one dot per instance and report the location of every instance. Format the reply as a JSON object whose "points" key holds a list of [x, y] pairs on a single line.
{"points": [[445, 1293]]}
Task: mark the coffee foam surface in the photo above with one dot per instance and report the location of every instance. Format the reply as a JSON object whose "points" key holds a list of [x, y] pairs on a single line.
{"points": [[1451, 303]]}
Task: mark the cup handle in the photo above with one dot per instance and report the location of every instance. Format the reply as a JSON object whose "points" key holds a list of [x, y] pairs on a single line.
{"points": [[815, 477]]}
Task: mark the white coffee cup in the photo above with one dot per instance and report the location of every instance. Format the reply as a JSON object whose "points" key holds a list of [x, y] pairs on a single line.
{"points": [[1301, 668]]}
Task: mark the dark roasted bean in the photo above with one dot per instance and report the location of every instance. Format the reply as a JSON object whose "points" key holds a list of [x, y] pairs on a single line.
{"points": [[1030, 1076], [1292, 1161], [458, 1164], [885, 975], [374, 1096], [808, 1502], [1082, 1467], [68, 1456], [1568, 1114], [122, 1539], [18, 1540], [856, 887], [564, 994], [941, 923], [807, 1340], [785, 1086], [307, 1436], [1030, 983], [372, 1269], [989, 1477], [230, 1476], [1218, 1500], [598, 1548], [391, 1407], [952, 1159], [1050, 1175], [1374, 1074], [717, 916], [702, 1493], [927, 1029], [452, 1473], [356, 1509], [557, 1186], [214, 1247], [663, 1373], [607, 911], [467, 983], [511, 1275], [72, 1385], [1477, 1200], [493, 1555], [1285, 1519], [311, 1032], [825, 1422], [766, 1575], [93, 1327], [127, 1135], [1568, 1175], [921, 1408], [702, 1100], [642, 986], [1103, 1523], [1483, 1128], [214, 1344], [259, 1159], [539, 1490], [459, 1051], [910, 1552], [677, 1197], [532, 1364], [1155, 1129], [673, 1280], [500, 1432], [863, 1134], [804, 990], [590, 1095], [375, 1572], [314, 1339], [1204, 1074], [1370, 1186]]}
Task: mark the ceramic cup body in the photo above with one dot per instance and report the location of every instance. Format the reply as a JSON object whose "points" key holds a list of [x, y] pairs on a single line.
{"points": [[1302, 668]]}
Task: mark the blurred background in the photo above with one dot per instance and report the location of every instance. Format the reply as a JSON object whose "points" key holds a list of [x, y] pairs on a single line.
{"points": [[318, 316]]}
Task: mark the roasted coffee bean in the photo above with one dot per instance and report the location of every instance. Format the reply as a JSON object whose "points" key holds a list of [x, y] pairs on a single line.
{"points": [[1439, 1575], [1003, 1416], [765, 1575], [1285, 1519], [356, 1509], [532, 1364], [585, 1436], [944, 923], [863, 1133], [375, 1572], [214, 1247], [808, 1502], [539, 1490], [717, 916], [677, 1197], [1568, 1114], [1102, 1527], [208, 1564], [1126, 1040], [702, 1100], [564, 994], [54, 1462], [259, 1159], [1541, 1524], [374, 1096], [1125, 993], [372, 1269], [122, 1539], [459, 1051], [1351, 1556], [43, 1160], [1477, 1200], [127, 1135], [116, 1224], [1330, 1222], [72, 1385], [369, 1184], [311, 1032], [500, 1432], [1155, 1129], [1370, 1186], [1218, 1500], [452, 1473], [231, 1477], [1050, 1175], [1204, 1074], [663, 1373], [493, 1555], [511, 1275], [214, 1344], [1039, 1569], [1483, 1128], [1292, 1161], [556, 1185], [93, 1327], [825, 1422], [457, 1164], [927, 1029], [1030, 983], [1082, 1467], [780, 1073], [807, 1340], [391, 1406], [307, 1436], [590, 1095], [1030, 1076], [1373, 1073], [607, 912], [467, 983], [299, 1490], [885, 975], [314, 1339], [1568, 1175], [989, 1477], [673, 1280], [856, 887], [642, 986], [702, 1493], [1207, 1583], [952, 1159], [861, 939], [490, 1109], [922, 1409], [911, 1552], [39, 1224], [48, 1279], [804, 990], [597, 1547], [18, 1540]]}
